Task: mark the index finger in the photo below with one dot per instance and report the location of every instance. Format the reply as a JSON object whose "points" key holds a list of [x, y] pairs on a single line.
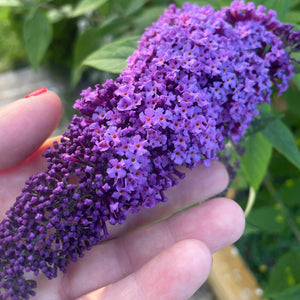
{"points": [[25, 124]]}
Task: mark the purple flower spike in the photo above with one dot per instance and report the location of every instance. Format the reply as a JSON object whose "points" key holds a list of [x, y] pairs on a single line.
{"points": [[194, 82]]}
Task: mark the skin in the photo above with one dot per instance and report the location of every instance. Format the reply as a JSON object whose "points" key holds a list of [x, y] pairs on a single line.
{"points": [[144, 258]]}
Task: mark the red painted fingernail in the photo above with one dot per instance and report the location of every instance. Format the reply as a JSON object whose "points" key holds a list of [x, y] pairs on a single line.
{"points": [[37, 92]]}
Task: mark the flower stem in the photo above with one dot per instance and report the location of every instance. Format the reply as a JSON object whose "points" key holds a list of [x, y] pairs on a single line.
{"points": [[251, 201]]}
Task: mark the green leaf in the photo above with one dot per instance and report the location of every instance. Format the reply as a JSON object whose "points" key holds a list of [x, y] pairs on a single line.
{"points": [[85, 45], [280, 6], [293, 17], [296, 79], [289, 294], [37, 35], [112, 57], [267, 219], [290, 192], [285, 275], [283, 7], [255, 161], [292, 97], [133, 6], [280, 136], [148, 16], [261, 121], [90, 39], [85, 6], [296, 67], [129, 7], [250, 229]]}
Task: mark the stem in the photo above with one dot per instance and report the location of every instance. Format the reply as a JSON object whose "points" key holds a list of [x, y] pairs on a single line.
{"points": [[251, 200], [275, 195]]}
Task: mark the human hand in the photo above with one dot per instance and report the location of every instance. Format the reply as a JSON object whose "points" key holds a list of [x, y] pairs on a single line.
{"points": [[167, 260]]}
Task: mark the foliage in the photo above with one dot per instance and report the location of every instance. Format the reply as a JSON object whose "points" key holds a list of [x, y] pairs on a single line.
{"points": [[89, 38], [64, 33], [271, 243], [11, 52]]}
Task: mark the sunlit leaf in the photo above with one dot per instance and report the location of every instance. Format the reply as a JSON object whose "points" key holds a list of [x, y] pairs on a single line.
{"points": [[255, 161], [282, 139], [112, 57]]}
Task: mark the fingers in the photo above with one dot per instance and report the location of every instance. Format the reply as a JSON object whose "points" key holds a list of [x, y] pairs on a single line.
{"points": [[25, 124], [222, 223], [176, 273], [217, 223], [200, 184]]}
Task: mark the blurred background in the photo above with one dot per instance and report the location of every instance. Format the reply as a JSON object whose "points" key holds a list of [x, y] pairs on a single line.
{"points": [[69, 45]]}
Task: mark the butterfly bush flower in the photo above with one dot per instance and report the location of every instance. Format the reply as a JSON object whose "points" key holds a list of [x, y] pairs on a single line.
{"points": [[195, 81]]}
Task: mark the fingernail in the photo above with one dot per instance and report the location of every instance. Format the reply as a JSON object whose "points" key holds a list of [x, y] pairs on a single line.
{"points": [[37, 92]]}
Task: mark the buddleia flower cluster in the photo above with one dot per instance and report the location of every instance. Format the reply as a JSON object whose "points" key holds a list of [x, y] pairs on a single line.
{"points": [[194, 82]]}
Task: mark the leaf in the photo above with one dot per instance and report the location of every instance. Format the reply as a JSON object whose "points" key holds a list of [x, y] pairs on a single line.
{"points": [[148, 16], [292, 97], [250, 229], [293, 17], [85, 44], [296, 67], [285, 276], [134, 5], [280, 136], [261, 121], [37, 35], [280, 6], [129, 7], [90, 39], [296, 80], [85, 6], [255, 161], [289, 294], [266, 219], [290, 192], [283, 7], [112, 57]]}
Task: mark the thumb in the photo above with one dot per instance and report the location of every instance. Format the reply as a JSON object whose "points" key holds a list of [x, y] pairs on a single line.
{"points": [[25, 124]]}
